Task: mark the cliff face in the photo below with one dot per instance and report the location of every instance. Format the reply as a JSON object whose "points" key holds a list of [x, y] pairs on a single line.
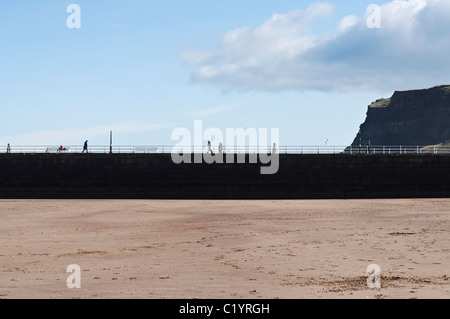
{"points": [[409, 118]]}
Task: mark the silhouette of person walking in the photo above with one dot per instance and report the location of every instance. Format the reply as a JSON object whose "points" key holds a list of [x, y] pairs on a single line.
{"points": [[8, 148], [85, 147]]}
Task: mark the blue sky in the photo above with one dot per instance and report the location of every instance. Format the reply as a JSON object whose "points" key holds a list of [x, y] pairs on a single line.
{"points": [[144, 68]]}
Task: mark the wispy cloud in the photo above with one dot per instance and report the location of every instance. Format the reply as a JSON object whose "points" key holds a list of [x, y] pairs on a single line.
{"points": [[77, 136], [212, 111], [408, 51]]}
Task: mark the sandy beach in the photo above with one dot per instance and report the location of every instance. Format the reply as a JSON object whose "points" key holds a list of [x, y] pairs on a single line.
{"points": [[225, 249]]}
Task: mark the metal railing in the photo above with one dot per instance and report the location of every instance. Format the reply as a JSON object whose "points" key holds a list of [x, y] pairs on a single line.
{"points": [[166, 149]]}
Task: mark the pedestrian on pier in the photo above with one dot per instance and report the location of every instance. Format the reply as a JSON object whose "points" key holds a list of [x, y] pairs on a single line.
{"points": [[85, 147], [274, 148], [8, 148], [209, 148]]}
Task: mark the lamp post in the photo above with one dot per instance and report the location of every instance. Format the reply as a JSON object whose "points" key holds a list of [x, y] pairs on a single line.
{"points": [[110, 142]]}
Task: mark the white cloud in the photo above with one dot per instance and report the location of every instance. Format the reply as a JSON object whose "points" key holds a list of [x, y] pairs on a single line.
{"points": [[408, 51], [347, 23]]}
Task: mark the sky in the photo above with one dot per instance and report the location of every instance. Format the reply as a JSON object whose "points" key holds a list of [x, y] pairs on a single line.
{"points": [[144, 68]]}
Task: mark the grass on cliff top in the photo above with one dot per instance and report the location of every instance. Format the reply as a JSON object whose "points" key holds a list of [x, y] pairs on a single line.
{"points": [[380, 103]]}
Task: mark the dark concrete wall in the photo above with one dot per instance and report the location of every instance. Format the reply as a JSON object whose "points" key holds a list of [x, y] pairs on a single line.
{"points": [[156, 176]]}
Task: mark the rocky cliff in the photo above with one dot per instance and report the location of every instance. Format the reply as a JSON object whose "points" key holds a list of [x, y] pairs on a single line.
{"points": [[409, 118]]}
